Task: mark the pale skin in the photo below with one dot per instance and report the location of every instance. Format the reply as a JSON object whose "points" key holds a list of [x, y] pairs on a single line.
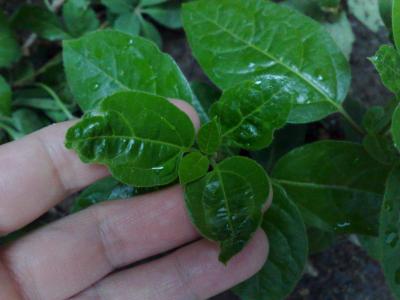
{"points": [[81, 256]]}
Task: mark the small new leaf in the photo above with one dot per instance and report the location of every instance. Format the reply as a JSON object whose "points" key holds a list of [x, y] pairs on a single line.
{"points": [[140, 137], [209, 137], [79, 18], [192, 167], [226, 204], [250, 112]]}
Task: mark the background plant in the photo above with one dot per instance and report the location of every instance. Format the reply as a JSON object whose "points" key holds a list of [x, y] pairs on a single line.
{"points": [[271, 77]]}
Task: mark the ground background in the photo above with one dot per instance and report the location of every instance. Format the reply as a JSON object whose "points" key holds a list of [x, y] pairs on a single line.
{"points": [[345, 272]]}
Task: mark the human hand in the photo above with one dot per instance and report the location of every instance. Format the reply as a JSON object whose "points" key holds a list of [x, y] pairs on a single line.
{"points": [[81, 256]]}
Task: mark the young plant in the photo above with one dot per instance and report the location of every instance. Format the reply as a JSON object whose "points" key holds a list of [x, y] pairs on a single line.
{"points": [[275, 70]]}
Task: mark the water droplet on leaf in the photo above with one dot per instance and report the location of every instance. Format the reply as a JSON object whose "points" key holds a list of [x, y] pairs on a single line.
{"points": [[96, 86]]}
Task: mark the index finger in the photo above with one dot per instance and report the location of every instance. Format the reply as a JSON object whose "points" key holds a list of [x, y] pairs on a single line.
{"points": [[37, 172]]}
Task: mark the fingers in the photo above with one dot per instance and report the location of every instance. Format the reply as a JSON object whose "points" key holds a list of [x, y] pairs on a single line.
{"points": [[37, 172], [68, 256], [192, 272]]}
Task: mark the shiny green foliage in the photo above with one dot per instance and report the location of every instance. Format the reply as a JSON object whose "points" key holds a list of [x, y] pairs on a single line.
{"points": [[209, 137], [105, 62], [140, 137], [225, 205], [192, 167], [288, 252], [389, 232], [328, 179], [387, 62], [9, 49], [272, 41], [250, 112]]}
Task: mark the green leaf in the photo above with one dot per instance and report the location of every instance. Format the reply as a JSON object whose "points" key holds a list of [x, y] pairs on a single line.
{"points": [[9, 48], [79, 18], [319, 240], [40, 21], [287, 254], [151, 2], [250, 112], [371, 245], [192, 167], [226, 204], [209, 137], [150, 32], [140, 137], [27, 121], [105, 62], [381, 148], [128, 23], [266, 39], [389, 232], [342, 33], [168, 15], [205, 95], [387, 62], [106, 189], [367, 12], [5, 97], [336, 185], [118, 6], [378, 118], [396, 22], [385, 8], [395, 129]]}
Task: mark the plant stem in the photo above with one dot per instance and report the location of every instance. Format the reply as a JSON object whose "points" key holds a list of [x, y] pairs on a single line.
{"points": [[56, 99], [350, 120], [52, 62]]}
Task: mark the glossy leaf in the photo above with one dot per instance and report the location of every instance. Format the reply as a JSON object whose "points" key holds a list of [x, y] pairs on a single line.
{"points": [[336, 185], [192, 167], [226, 204], [140, 137], [396, 22], [288, 252], [5, 97], [168, 15], [118, 6], [106, 189], [367, 12], [250, 112], [389, 232], [105, 62], [209, 137], [381, 148], [395, 129], [9, 48], [40, 21], [272, 41], [128, 23], [387, 62], [79, 18]]}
